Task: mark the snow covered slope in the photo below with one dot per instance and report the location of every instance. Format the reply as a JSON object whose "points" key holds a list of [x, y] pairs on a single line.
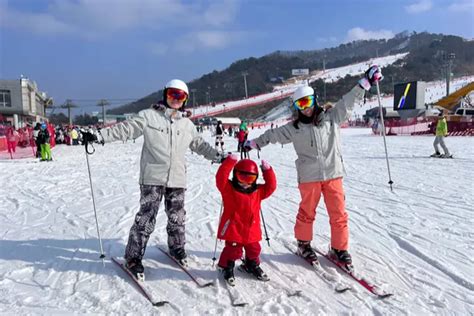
{"points": [[417, 241], [282, 91]]}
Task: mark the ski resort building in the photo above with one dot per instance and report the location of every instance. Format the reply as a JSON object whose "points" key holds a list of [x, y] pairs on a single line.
{"points": [[21, 102]]}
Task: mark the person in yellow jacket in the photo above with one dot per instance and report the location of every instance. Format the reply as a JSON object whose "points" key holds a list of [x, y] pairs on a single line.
{"points": [[441, 132], [74, 136]]}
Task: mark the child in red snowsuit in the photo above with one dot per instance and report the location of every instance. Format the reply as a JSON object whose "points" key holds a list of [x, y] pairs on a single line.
{"points": [[241, 138], [240, 222]]}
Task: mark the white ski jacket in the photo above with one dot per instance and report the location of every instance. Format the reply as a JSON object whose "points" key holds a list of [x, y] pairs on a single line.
{"points": [[167, 136], [318, 147]]}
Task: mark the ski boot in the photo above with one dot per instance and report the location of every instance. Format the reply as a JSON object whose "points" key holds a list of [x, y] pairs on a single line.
{"points": [[435, 155], [136, 268], [446, 156], [307, 253], [343, 257], [251, 267], [180, 255], [228, 272]]}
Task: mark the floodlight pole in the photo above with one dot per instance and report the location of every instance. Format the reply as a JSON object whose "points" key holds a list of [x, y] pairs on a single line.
{"points": [[245, 74]]}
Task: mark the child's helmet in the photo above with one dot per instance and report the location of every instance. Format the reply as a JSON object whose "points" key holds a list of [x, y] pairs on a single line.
{"points": [[246, 171], [246, 166]]}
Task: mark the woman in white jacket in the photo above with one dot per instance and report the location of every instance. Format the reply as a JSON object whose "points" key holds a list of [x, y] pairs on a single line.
{"points": [[315, 137], [168, 134]]}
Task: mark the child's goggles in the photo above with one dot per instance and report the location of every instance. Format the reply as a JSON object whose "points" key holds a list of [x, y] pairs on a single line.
{"points": [[247, 178], [176, 94], [304, 103]]}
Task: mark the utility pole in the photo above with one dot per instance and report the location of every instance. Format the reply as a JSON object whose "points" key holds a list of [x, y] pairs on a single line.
{"points": [[324, 79], [68, 105], [103, 103], [245, 74], [449, 64], [193, 91]]}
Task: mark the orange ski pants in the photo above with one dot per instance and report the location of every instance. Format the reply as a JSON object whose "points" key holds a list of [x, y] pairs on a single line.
{"points": [[333, 193]]}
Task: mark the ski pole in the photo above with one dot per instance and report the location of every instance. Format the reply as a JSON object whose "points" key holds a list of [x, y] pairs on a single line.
{"points": [[102, 255], [265, 228], [215, 246], [390, 182]]}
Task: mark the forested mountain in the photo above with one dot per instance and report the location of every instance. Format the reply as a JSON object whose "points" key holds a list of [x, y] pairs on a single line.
{"points": [[425, 61]]}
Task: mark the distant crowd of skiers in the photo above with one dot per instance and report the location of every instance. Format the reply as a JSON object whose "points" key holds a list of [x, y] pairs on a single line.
{"points": [[43, 136]]}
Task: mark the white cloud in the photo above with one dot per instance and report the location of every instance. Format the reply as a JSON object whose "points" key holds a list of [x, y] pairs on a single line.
{"points": [[37, 23], [221, 12], [462, 6], [207, 40], [101, 18], [418, 7], [357, 33]]}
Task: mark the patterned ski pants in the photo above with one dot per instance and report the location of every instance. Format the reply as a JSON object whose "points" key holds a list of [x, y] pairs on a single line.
{"points": [[150, 199]]}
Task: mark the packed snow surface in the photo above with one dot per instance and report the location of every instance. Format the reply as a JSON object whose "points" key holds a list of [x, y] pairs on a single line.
{"points": [[416, 242]]}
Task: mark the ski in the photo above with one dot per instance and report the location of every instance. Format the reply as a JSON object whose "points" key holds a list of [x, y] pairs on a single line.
{"points": [[372, 288], [236, 298], [140, 285], [198, 280], [339, 286]]}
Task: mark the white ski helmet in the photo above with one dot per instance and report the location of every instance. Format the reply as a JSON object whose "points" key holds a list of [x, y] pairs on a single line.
{"points": [[177, 84], [302, 92]]}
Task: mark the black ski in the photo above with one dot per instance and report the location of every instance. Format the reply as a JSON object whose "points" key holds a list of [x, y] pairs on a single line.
{"points": [[140, 285]]}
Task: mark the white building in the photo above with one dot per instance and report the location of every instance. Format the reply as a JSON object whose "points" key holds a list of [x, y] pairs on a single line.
{"points": [[21, 102]]}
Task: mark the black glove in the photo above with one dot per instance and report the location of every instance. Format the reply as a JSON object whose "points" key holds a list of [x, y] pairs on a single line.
{"points": [[220, 157], [88, 137]]}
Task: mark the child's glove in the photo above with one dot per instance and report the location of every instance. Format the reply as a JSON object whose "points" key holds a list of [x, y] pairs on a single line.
{"points": [[371, 76], [265, 165], [233, 157]]}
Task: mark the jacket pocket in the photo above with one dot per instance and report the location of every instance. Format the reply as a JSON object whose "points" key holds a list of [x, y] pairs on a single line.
{"points": [[155, 173], [308, 169]]}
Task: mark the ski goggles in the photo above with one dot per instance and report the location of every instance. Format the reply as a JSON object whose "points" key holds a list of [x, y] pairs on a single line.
{"points": [[304, 103], [176, 94], [247, 178]]}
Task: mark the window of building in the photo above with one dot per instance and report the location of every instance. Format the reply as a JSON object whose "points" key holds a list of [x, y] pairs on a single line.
{"points": [[5, 98]]}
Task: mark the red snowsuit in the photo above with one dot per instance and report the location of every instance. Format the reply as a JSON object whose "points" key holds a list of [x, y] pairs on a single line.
{"points": [[241, 136], [240, 221]]}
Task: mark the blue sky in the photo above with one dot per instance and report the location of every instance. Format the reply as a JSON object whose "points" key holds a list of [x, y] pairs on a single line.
{"points": [[126, 49]]}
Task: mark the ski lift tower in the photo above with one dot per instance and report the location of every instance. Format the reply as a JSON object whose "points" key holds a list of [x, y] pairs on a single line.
{"points": [[449, 59]]}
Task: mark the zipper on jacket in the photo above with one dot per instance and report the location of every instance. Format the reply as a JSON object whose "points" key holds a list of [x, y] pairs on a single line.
{"points": [[169, 130]]}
